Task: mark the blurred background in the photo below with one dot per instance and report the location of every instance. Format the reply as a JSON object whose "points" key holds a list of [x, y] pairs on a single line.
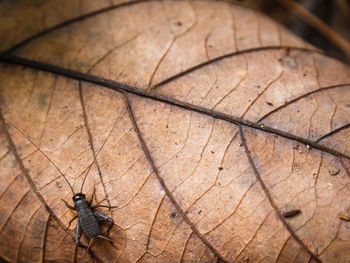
{"points": [[334, 13]]}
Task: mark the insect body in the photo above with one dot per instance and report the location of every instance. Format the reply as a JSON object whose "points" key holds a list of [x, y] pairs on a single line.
{"points": [[88, 219]]}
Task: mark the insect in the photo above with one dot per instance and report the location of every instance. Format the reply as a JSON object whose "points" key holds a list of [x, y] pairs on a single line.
{"points": [[89, 218]]}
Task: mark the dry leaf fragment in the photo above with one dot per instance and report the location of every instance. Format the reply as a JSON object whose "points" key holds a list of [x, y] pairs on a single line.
{"points": [[345, 215], [333, 170]]}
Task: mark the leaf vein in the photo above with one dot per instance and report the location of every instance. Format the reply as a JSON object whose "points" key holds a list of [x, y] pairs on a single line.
{"points": [[161, 181], [165, 99], [269, 197]]}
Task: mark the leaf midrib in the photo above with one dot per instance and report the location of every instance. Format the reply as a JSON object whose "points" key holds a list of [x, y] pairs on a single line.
{"points": [[114, 85]]}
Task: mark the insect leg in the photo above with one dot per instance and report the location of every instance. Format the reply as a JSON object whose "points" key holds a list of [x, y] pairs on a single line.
{"points": [[92, 197], [99, 202], [91, 243], [68, 205], [102, 217], [107, 206], [105, 238], [71, 221], [78, 233]]}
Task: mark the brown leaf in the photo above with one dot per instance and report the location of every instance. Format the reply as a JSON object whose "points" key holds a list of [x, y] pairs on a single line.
{"points": [[213, 131]]}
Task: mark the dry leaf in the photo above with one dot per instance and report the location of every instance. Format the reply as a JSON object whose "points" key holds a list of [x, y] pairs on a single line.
{"points": [[333, 171], [196, 77]]}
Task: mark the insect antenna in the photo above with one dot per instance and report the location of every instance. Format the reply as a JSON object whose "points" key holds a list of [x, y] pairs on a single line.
{"points": [[93, 161], [87, 172], [37, 147], [89, 168]]}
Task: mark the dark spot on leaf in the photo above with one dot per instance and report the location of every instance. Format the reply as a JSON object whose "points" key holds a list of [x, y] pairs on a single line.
{"points": [[179, 23], [167, 126], [200, 211], [212, 151], [269, 103], [291, 213], [58, 185], [173, 215], [221, 168]]}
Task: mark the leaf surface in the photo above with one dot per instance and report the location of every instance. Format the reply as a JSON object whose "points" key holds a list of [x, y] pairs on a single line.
{"points": [[194, 119]]}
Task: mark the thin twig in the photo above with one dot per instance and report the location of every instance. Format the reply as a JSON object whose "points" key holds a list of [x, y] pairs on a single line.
{"points": [[317, 24]]}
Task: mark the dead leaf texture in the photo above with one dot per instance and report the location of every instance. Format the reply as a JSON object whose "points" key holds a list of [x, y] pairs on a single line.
{"points": [[193, 118]]}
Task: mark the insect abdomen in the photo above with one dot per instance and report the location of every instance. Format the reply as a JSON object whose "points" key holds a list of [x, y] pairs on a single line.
{"points": [[89, 223]]}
